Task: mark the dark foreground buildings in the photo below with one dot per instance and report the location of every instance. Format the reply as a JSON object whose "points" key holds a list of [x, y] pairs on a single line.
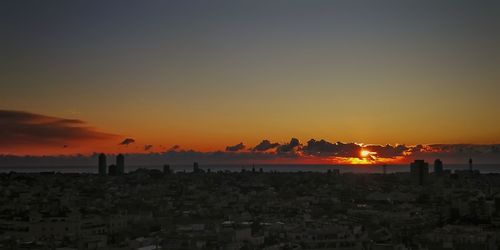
{"points": [[153, 209], [113, 170]]}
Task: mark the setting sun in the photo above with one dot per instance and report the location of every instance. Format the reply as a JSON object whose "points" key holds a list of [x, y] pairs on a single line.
{"points": [[365, 153]]}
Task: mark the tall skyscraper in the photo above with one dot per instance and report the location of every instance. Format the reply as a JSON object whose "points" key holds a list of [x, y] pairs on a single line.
{"points": [[438, 167], [166, 169], [419, 170], [120, 164], [470, 165], [102, 164], [196, 167]]}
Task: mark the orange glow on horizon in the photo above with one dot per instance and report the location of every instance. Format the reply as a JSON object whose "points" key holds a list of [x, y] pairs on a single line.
{"points": [[368, 160], [360, 161]]}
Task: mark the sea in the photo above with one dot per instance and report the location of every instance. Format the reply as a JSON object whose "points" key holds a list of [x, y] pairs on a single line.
{"points": [[483, 168]]}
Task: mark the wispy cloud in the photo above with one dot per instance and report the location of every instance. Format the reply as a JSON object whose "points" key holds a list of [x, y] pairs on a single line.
{"points": [[19, 128], [237, 147], [127, 141]]}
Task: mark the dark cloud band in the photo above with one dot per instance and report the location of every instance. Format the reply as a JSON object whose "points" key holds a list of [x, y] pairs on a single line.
{"points": [[19, 128]]}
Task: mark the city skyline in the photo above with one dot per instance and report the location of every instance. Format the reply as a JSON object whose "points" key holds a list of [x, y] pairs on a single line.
{"points": [[249, 125]]}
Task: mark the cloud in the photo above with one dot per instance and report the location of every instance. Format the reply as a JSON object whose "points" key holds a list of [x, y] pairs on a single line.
{"points": [[147, 147], [173, 148], [290, 148], [388, 151], [19, 128], [127, 141], [463, 148], [457, 153], [265, 145], [325, 148], [236, 147]]}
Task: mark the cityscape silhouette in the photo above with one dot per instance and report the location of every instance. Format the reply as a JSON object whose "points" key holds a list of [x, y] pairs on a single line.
{"points": [[245, 125]]}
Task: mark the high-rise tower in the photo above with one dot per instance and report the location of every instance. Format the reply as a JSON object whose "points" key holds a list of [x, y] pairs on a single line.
{"points": [[438, 167], [419, 171], [166, 169], [102, 164], [196, 167], [120, 164]]}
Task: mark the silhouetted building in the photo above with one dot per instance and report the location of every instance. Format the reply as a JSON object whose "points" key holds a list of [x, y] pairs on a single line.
{"points": [[196, 168], [102, 164], [113, 170], [419, 171], [438, 167], [120, 164], [470, 165], [166, 169]]}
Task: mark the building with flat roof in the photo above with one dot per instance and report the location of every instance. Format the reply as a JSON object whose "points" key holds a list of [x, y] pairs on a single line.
{"points": [[419, 171], [102, 164], [438, 167], [120, 164]]}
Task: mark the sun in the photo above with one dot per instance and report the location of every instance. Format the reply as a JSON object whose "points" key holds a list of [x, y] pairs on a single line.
{"points": [[365, 153]]}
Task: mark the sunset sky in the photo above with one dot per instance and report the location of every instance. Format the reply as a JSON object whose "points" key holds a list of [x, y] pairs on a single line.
{"points": [[172, 76]]}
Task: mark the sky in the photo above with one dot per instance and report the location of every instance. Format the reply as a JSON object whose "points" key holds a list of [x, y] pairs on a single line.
{"points": [[78, 77]]}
